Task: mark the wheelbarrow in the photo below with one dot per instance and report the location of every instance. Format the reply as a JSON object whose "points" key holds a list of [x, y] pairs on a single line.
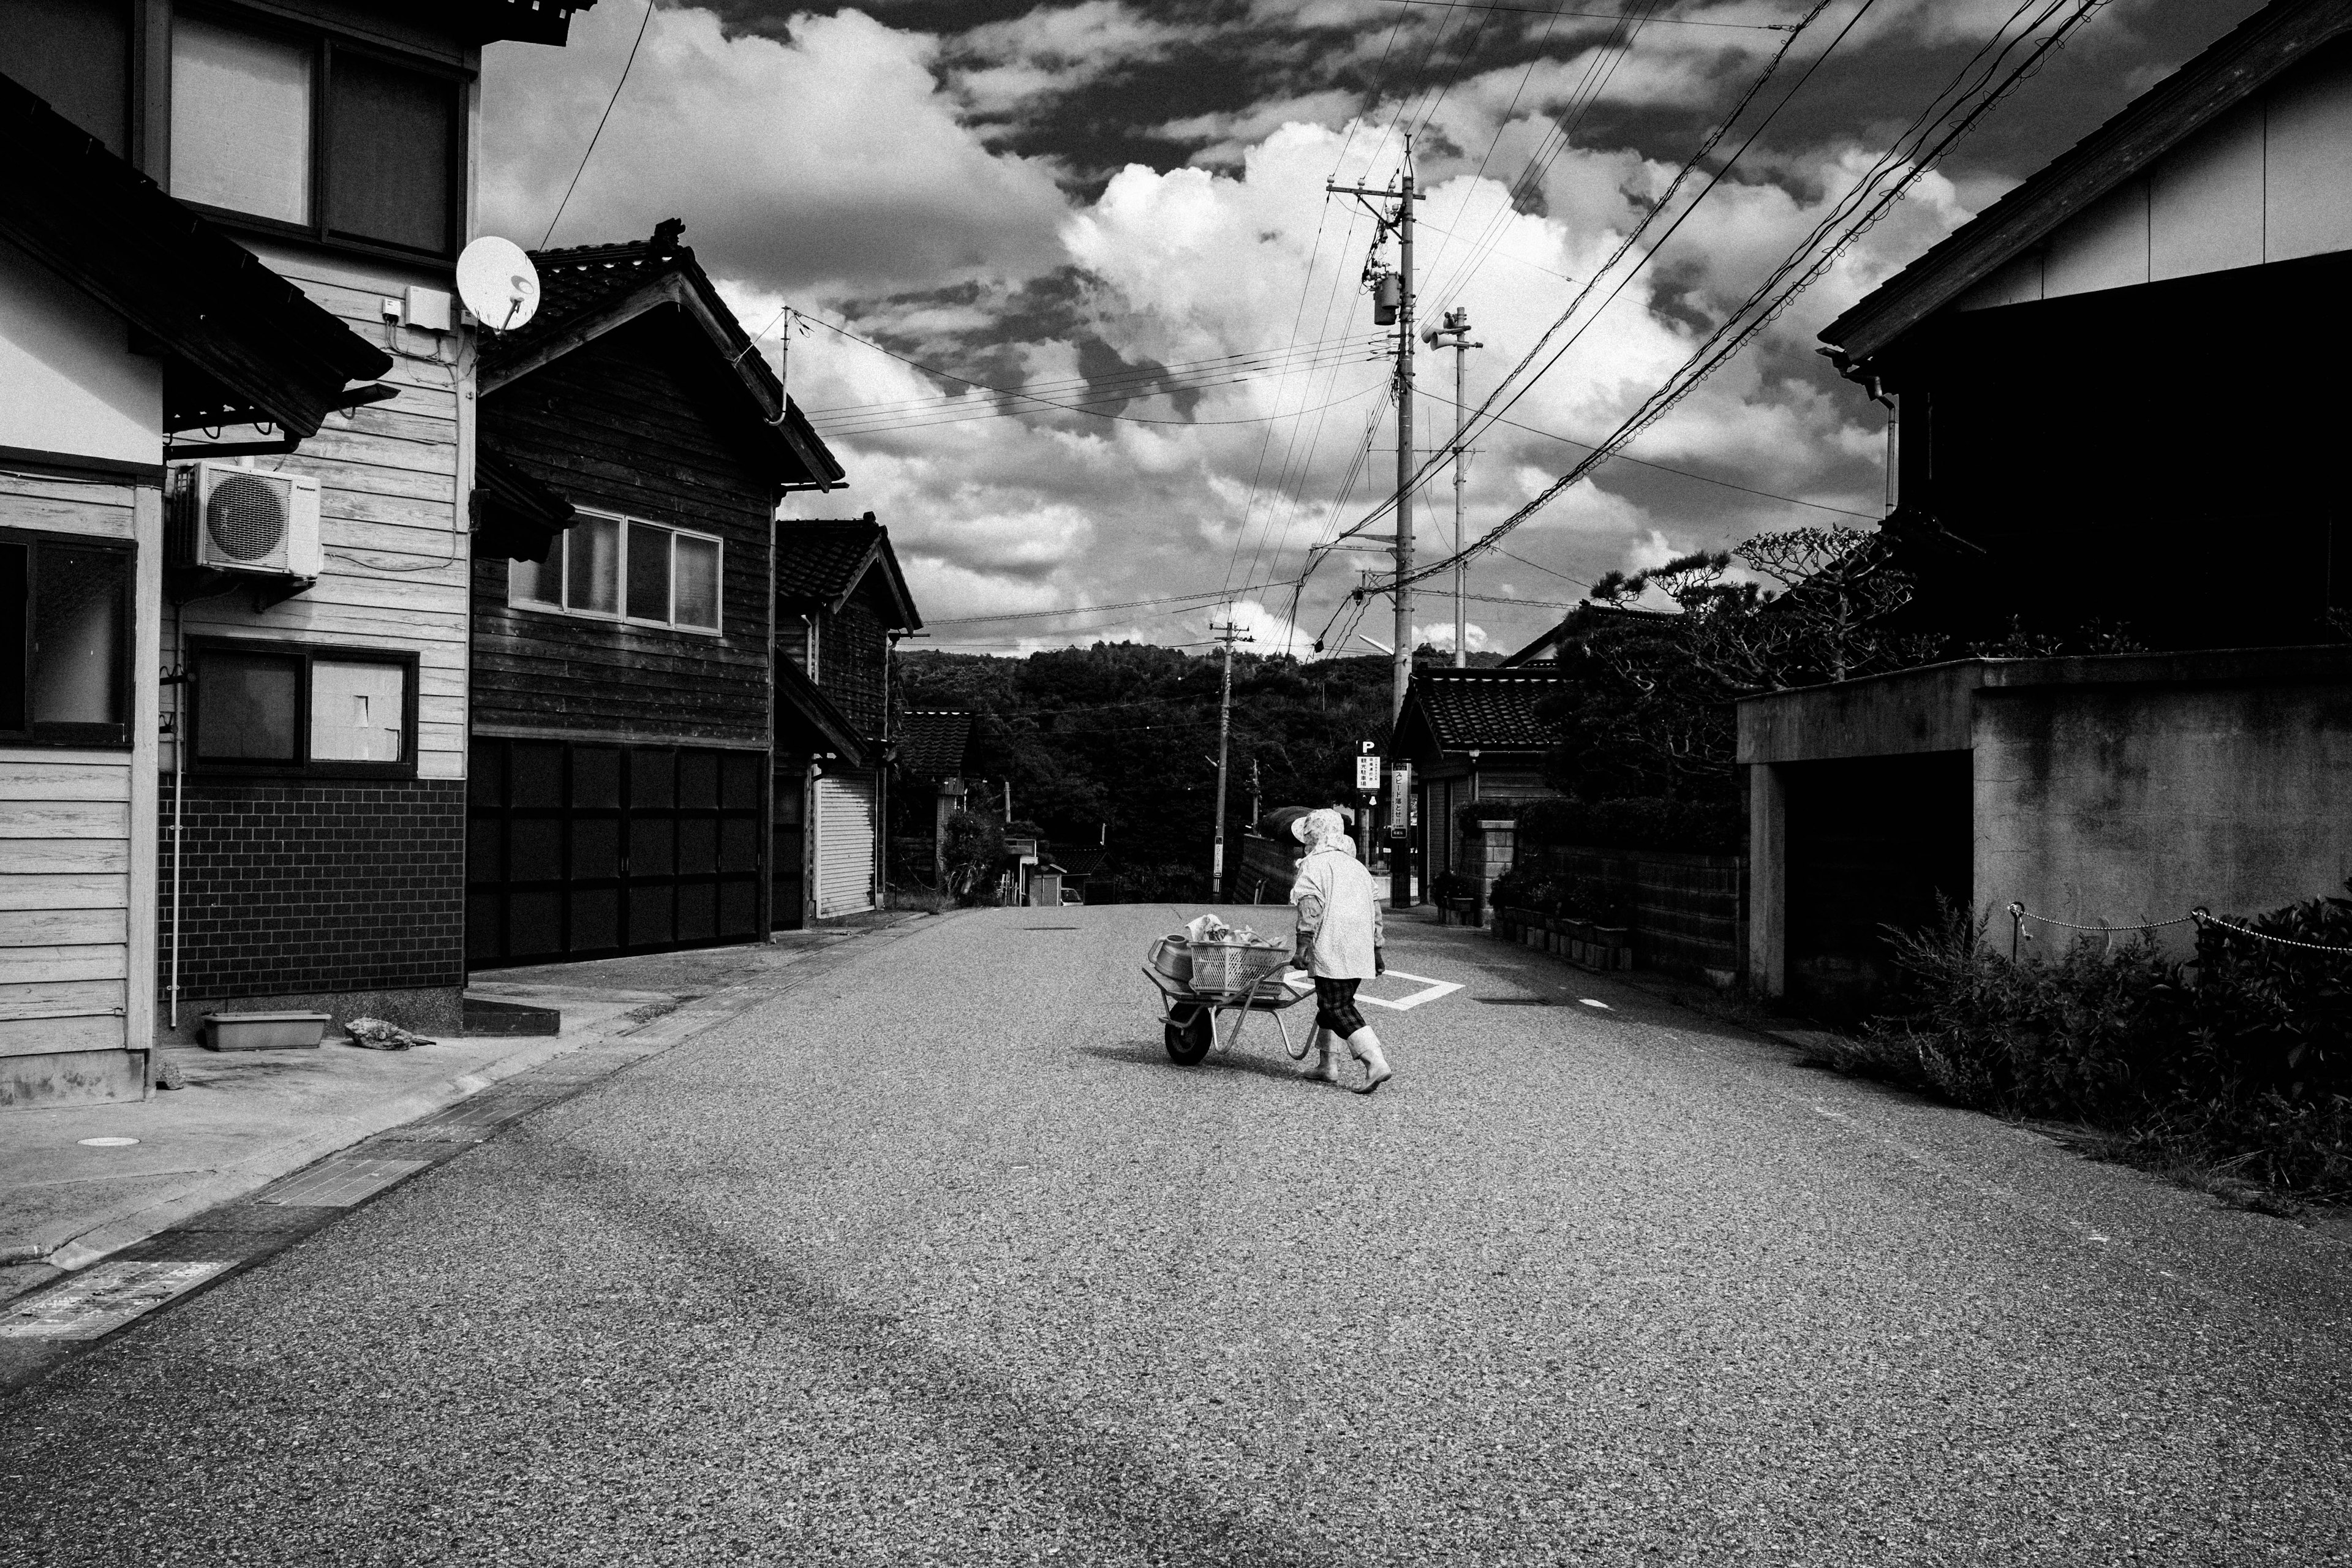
{"points": [[1201, 984]]}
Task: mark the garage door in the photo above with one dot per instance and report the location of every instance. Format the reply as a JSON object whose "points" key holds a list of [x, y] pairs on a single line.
{"points": [[582, 851], [845, 844]]}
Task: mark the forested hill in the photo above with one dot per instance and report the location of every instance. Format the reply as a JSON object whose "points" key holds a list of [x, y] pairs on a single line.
{"points": [[1123, 736]]}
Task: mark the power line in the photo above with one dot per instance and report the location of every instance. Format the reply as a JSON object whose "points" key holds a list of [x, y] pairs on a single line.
{"points": [[1908, 159], [1204, 596], [643, 23]]}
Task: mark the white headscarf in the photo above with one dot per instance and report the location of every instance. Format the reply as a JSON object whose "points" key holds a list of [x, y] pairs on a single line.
{"points": [[1325, 830]]}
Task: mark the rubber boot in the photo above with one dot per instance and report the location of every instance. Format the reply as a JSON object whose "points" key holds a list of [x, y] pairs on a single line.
{"points": [[1365, 1047], [1318, 1068]]}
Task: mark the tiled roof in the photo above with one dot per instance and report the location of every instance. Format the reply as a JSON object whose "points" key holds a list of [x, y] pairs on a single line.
{"points": [[931, 745], [587, 288], [1485, 708], [1083, 862], [821, 560]]}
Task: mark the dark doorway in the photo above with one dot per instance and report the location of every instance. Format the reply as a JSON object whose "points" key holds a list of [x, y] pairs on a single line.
{"points": [[1873, 843]]}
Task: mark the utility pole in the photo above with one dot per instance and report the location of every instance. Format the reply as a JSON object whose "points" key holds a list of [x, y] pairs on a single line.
{"points": [[1392, 303], [1228, 633], [1455, 335], [1257, 794]]}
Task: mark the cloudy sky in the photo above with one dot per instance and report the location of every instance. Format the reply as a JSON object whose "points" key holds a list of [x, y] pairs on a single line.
{"points": [[1120, 208]]}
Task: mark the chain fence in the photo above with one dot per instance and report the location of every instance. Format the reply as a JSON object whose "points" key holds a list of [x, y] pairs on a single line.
{"points": [[2200, 917]]}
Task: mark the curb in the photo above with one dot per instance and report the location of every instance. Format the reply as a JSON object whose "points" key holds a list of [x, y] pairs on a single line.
{"points": [[653, 1024]]}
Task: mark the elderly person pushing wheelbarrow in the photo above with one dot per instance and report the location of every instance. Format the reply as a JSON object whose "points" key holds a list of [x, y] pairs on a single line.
{"points": [[1338, 944]]}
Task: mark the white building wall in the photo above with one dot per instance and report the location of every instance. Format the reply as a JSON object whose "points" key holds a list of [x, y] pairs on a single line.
{"points": [[68, 381], [2272, 181]]}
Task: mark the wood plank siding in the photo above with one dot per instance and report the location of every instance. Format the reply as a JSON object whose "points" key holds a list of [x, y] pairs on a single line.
{"points": [[76, 839], [631, 425], [391, 480]]}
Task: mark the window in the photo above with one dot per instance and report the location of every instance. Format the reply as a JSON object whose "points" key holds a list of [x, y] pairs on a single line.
{"points": [[621, 569], [378, 166], [65, 641], [285, 707], [241, 120]]}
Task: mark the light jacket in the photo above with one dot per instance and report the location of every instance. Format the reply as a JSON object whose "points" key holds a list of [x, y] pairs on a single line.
{"points": [[1339, 903]]}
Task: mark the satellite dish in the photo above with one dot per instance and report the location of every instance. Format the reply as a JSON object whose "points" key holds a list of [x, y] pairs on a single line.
{"points": [[498, 283]]}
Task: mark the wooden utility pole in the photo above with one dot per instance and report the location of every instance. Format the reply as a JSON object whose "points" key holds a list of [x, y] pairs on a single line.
{"points": [[1228, 635], [1392, 297]]}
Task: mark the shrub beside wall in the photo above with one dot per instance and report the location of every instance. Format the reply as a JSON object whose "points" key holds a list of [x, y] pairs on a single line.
{"points": [[2241, 1057]]}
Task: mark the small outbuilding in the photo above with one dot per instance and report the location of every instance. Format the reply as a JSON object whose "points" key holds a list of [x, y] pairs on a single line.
{"points": [[1472, 735], [2115, 791]]}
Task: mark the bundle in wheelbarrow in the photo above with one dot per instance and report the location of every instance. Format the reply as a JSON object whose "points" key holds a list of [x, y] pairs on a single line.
{"points": [[1213, 970]]}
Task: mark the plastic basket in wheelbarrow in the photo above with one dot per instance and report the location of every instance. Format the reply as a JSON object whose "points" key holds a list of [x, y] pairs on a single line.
{"points": [[1222, 969]]}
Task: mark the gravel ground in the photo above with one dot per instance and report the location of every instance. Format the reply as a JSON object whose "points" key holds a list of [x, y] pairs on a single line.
{"points": [[939, 1259]]}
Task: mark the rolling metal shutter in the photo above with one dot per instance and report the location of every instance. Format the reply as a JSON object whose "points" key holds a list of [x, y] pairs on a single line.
{"points": [[845, 844]]}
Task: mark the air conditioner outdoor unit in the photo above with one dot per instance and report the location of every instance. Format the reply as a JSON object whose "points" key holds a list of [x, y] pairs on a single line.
{"points": [[231, 518]]}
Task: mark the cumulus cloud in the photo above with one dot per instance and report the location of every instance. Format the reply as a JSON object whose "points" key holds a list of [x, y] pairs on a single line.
{"points": [[774, 152], [860, 173]]}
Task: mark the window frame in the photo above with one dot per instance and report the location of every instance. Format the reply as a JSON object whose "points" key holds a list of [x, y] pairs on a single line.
{"points": [[57, 736], [559, 555], [322, 45], [303, 766]]}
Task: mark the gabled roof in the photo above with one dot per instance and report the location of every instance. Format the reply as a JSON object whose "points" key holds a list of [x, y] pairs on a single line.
{"points": [[2232, 70], [1482, 709], [1577, 628], [525, 21], [588, 291], [240, 342], [822, 561], [1084, 861], [932, 742]]}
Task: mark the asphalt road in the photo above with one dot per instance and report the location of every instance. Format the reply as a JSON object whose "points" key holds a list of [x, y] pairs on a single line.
{"points": [[940, 1259]]}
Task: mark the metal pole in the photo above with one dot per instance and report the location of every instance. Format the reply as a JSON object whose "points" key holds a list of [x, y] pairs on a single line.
{"points": [[1458, 322], [1228, 633]]}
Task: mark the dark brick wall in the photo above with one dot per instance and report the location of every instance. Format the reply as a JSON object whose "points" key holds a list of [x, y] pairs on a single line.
{"points": [[315, 886]]}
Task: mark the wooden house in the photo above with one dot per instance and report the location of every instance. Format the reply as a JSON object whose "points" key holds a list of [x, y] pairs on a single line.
{"points": [[626, 699], [841, 602], [307, 843], [932, 747], [1471, 735], [128, 324], [2096, 422]]}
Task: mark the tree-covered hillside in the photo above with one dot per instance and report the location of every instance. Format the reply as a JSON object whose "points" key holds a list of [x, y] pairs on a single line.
{"points": [[1120, 741]]}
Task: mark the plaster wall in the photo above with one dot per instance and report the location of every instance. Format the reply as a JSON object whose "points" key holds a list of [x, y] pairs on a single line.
{"points": [[68, 381], [2132, 803], [2264, 183]]}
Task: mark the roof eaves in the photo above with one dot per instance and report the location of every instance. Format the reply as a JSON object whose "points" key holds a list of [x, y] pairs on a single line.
{"points": [[2230, 70], [112, 233]]}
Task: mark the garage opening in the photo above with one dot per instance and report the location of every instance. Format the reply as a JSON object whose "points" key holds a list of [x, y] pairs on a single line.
{"points": [[582, 851], [1873, 843]]}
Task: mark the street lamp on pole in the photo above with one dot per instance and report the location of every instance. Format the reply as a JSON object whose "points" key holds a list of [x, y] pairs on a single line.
{"points": [[1455, 334]]}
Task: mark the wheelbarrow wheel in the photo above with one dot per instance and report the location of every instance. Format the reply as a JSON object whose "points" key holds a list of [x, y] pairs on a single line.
{"points": [[1189, 1038]]}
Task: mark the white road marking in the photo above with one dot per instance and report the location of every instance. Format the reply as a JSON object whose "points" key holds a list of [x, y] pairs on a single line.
{"points": [[1430, 991], [1590, 1002], [101, 1298]]}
